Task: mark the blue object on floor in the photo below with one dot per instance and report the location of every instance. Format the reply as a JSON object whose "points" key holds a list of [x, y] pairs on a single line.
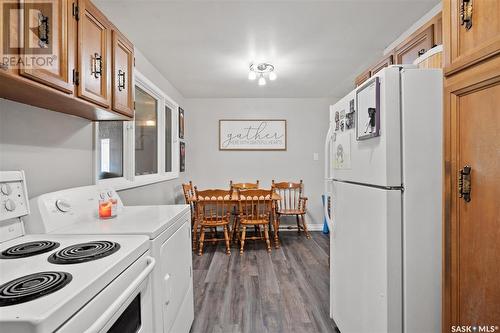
{"points": [[326, 230]]}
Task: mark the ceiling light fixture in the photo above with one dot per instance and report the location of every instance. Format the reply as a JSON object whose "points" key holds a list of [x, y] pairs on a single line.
{"points": [[261, 70], [262, 80]]}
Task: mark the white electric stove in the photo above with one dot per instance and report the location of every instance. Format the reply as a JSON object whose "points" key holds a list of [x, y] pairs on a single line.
{"points": [[69, 283], [168, 228]]}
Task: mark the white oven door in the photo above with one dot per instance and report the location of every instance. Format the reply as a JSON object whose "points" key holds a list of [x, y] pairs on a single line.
{"points": [[124, 306]]}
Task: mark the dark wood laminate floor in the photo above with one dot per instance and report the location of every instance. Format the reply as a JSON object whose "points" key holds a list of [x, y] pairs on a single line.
{"points": [[284, 291]]}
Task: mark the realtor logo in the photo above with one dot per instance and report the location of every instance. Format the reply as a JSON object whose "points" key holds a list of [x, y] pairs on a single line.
{"points": [[27, 34]]}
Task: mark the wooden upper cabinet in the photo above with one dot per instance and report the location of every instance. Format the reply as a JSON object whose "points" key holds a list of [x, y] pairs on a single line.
{"points": [[415, 46], [52, 43], [6, 55], [385, 62], [473, 37], [123, 67], [362, 78], [94, 55]]}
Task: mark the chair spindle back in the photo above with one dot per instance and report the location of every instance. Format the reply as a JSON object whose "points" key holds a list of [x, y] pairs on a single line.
{"points": [[213, 206], [255, 204], [243, 186], [290, 194]]}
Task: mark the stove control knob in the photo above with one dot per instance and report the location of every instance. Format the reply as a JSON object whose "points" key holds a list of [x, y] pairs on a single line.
{"points": [[63, 205], [6, 189], [10, 205]]}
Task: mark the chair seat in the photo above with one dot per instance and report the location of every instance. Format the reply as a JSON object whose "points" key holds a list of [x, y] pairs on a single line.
{"points": [[290, 211], [214, 222], [254, 222]]}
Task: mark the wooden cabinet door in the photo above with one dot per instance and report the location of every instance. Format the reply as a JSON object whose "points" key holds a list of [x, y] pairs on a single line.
{"points": [[472, 227], [466, 45], [386, 62], [123, 66], [49, 37], [94, 46], [362, 78], [417, 45], [7, 57]]}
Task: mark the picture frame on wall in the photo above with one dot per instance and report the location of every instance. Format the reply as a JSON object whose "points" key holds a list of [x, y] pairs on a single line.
{"points": [[181, 123], [253, 134], [182, 156]]}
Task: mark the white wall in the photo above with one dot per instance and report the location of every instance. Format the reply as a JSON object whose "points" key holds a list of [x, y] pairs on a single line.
{"points": [[55, 149], [307, 121]]}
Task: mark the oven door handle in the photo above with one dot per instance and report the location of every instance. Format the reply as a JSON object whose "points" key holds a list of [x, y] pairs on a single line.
{"points": [[108, 314]]}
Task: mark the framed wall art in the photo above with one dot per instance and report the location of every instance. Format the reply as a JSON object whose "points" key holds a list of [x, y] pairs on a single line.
{"points": [[252, 134], [181, 123], [182, 156]]}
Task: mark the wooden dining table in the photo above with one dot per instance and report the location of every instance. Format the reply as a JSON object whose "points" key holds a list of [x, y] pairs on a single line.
{"points": [[275, 197]]}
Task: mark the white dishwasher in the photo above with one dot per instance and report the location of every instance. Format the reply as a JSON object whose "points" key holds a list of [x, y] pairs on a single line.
{"points": [[168, 227]]}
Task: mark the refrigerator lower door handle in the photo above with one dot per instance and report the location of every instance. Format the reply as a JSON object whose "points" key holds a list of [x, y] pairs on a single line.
{"points": [[328, 195]]}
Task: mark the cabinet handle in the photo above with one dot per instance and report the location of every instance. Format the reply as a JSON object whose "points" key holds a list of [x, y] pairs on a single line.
{"points": [[121, 80], [464, 183], [43, 30], [466, 13], [421, 52], [96, 68]]}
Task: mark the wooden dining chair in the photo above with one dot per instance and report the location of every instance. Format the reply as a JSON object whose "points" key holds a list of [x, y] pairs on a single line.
{"points": [[190, 199], [292, 203], [254, 209], [213, 209], [243, 186], [240, 186]]}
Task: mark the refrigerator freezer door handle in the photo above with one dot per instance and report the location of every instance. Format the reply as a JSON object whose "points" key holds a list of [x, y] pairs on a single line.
{"points": [[328, 141]]}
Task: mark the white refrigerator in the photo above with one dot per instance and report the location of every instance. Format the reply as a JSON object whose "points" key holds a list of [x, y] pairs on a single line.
{"points": [[383, 175]]}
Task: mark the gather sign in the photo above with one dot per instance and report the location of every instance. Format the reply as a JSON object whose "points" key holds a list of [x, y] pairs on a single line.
{"points": [[252, 134]]}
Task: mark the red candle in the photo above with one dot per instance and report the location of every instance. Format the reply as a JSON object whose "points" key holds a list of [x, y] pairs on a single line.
{"points": [[105, 209]]}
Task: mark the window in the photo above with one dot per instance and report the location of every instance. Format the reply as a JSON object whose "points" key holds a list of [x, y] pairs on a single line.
{"points": [[110, 149], [146, 133], [142, 151]]}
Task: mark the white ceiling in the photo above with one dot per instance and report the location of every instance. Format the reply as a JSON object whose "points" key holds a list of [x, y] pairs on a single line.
{"points": [[204, 47]]}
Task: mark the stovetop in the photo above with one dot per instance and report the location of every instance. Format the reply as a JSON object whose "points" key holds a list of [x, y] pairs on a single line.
{"points": [[84, 252], [62, 272], [28, 249]]}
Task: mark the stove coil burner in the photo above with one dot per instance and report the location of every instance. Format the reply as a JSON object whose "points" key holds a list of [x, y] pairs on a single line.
{"points": [[84, 252], [28, 249], [32, 286]]}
